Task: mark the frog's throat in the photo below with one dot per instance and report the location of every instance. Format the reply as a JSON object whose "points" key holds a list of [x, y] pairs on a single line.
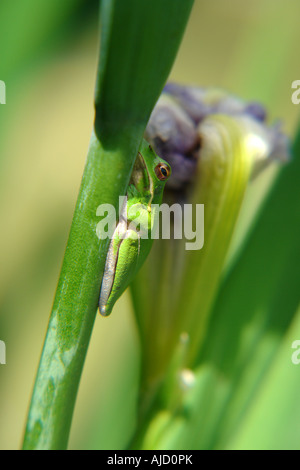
{"points": [[141, 168], [151, 189]]}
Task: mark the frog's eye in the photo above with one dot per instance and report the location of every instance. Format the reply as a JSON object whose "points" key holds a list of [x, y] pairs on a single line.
{"points": [[162, 171]]}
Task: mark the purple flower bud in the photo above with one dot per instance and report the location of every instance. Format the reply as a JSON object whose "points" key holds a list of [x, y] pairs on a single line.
{"points": [[173, 127], [257, 111], [175, 138], [191, 99]]}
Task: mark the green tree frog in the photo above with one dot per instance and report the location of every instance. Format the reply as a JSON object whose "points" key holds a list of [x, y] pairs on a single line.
{"points": [[133, 236]]}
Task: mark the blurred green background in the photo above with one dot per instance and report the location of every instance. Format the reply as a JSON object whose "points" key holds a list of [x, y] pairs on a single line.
{"points": [[48, 58]]}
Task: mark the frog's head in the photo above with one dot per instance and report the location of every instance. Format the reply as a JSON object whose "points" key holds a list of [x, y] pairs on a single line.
{"points": [[150, 172]]}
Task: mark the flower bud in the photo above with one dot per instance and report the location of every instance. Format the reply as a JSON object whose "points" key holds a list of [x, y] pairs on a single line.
{"points": [[173, 129]]}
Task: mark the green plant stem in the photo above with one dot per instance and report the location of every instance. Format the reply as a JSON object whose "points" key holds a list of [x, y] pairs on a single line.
{"points": [[181, 310], [71, 320]]}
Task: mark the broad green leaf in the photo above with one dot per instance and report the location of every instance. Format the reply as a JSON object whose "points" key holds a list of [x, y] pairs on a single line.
{"points": [[137, 37], [273, 420]]}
